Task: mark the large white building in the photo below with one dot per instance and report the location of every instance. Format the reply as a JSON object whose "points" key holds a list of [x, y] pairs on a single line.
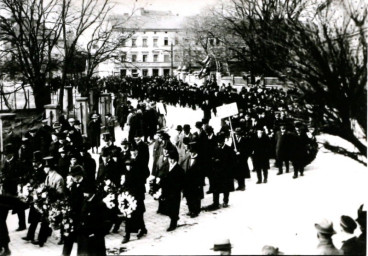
{"points": [[153, 48]]}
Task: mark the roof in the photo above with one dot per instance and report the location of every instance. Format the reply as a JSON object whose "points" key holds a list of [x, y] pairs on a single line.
{"points": [[151, 20]]}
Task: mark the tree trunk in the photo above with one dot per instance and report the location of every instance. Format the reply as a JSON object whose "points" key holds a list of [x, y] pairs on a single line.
{"points": [[41, 96]]}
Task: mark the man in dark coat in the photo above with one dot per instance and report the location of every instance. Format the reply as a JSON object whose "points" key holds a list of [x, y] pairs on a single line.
{"points": [[35, 178], [362, 239], [10, 177], [135, 181], [283, 144], [172, 184], [143, 151], [299, 151], [223, 174], [242, 151], [110, 126], [91, 229], [94, 132], [260, 155], [89, 165], [193, 181], [349, 244], [44, 135], [12, 138]]}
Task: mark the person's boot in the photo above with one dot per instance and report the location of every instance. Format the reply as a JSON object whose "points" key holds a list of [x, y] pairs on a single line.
{"points": [[173, 225], [142, 232], [126, 238]]}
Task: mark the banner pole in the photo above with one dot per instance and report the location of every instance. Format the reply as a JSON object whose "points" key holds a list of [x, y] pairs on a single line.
{"points": [[232, 134]]}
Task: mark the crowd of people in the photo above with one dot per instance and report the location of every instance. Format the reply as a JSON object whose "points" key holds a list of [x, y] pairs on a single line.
{"points": [[58, 156]]}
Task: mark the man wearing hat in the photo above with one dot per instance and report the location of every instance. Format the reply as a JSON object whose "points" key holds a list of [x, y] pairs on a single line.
{"points": [[110, 126], [54, 145], [193, 180], [54, 181], [74, 192], [12, 138], [187, 133], [178, 140], [94, 132], [172, 185], [36, 177], [283, 146], [242, 147], [299, 150], [89, 164], [11, 176], [223, 174], [261, 155], [33, 139], [44, 134], [325, 232], [349, 241]]}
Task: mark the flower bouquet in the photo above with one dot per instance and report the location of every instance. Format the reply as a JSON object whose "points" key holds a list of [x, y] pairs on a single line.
{"points": [[127, 204]]}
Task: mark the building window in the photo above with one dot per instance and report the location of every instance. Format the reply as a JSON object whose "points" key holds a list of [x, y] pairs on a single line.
{"points": [[134, 73], [144, 57], [166, 41], [166, 58], [166, 72], [123, 56], [154, 72], [134, 42], [145, 42], [134, 57], [155, 57], [155, 42], [145, 72], [123, 72]]}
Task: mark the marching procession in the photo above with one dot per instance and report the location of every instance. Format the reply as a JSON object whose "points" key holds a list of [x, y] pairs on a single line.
{"points": [[52, 169]]}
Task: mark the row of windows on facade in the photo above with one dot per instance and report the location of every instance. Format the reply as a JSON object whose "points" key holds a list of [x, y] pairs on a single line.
{"points": [[167, 58], [211, 41], [145, 72]]}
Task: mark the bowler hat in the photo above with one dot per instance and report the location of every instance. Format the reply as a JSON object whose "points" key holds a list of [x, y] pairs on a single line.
{"points": [[76, 171], [348, 224], [173, 154], [186, 128], [222, 245], [198, 124], [209, 129], [165, 136], [49, 161], [325, 227], [179, 128]]}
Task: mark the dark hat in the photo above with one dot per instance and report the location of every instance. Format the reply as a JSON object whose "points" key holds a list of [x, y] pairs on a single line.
{"points": [[165, 136], [209, 129], [49, 161], [205, 120], [85, 146], [77, 122], [138, 133], [179, 128], [325, 227], [37, 156], [108, 114], [173, 154], [186, 127], [348, 224], [76, 170], [198, 124], [222, 245], [362, 217], [73, 155]]}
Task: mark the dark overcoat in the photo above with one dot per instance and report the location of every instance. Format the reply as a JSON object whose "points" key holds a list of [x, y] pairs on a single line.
{"points": [[223, 170]]}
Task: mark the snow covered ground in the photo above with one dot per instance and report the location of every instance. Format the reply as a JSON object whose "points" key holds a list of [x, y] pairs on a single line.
{"points": [[281, 213]]}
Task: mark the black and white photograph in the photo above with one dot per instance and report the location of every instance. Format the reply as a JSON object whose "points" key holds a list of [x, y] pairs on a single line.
{"points": [[183, 127]]}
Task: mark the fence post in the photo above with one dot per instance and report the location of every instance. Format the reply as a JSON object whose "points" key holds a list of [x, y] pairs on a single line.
{"points": [[4, 116]]}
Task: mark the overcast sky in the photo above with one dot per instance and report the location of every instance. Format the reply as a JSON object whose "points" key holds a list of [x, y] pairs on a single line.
{"points": [[181, 7]]}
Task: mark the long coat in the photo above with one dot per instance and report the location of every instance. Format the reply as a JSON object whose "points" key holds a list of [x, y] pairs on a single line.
{"points": [[92, 228], [261, 152], [283, 145], [193, 179], [244, 147], [223, 170], [299, 150], [172, 184], [94, 132]]}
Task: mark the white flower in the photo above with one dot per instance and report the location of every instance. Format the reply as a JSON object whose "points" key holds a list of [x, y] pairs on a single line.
{"points": [[44, 207], [108, 182], [39, 190], [66, 234], [44, 195], [66, 226]]}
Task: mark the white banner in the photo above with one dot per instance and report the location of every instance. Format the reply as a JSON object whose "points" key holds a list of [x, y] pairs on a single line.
{"points": [[227, 110]]}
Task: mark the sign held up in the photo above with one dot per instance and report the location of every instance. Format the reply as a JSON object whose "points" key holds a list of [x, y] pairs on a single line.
{"points": [[227, 110]]}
